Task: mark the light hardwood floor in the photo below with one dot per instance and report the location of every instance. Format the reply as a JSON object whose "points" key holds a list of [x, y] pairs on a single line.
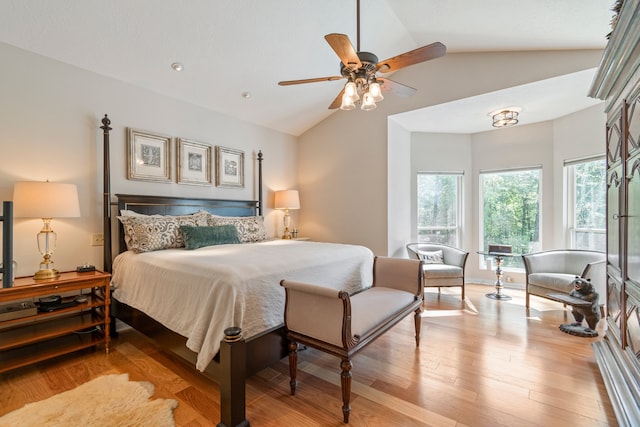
{"points": [[484, 363]]}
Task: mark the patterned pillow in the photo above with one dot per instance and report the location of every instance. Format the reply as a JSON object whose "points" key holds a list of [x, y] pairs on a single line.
{"points": [[250, 228], [200, 216], [153, 233], [434, 257]]}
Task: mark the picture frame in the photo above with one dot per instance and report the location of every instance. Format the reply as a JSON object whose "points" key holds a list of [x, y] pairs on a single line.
{"points": [[194, 162], [148, 156], [229, 167]]}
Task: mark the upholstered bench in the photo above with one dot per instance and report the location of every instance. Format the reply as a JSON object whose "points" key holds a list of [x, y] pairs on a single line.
{"points": [[341, 324]]}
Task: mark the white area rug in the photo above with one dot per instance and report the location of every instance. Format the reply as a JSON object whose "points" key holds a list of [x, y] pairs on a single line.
{"points": [[110, 400]]}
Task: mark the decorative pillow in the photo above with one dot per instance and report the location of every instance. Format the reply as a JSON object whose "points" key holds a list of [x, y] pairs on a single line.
{"points": [[197, 237], [200, 216], [153, 233], [250, 228], [434, 257]]}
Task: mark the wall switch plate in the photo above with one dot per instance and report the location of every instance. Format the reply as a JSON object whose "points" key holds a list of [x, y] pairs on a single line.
{"points": [[97, 239]]}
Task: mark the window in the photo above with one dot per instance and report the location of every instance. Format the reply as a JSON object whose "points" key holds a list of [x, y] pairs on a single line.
{"points": [[510, 211], [586, 204], [439, 200]]}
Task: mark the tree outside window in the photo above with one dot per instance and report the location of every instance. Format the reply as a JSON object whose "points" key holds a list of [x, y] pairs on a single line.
{"points": [[510, 211], [439, 205]]}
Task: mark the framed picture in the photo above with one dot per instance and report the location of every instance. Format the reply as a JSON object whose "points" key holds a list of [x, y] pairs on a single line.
{"points": [[229, 167], [194, 162], [149, 156]]}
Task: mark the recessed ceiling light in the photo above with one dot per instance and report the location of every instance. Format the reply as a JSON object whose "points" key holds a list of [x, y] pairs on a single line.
{"points": [[246, 95], [176, 66]]}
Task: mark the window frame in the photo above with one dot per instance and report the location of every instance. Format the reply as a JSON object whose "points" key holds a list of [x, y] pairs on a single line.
{"points": [[570, 228], [483, 264], [458, 228]]}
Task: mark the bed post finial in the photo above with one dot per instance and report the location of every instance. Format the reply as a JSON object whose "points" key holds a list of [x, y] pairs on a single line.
{"points": [[106, 200], [260, 158]]}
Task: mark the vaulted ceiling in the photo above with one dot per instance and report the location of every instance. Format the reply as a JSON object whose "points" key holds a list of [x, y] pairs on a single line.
{"points": [[229, 48]]}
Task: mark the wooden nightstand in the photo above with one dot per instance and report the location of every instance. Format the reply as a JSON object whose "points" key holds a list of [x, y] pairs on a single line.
{"points": [[43, 335]]}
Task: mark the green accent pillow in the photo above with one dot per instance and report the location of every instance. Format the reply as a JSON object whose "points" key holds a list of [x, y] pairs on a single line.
{"points": [[196, 237]]}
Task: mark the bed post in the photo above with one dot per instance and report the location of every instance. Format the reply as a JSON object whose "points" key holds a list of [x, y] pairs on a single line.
{"points": [[106, 203], [233, 357], [260, 210]]}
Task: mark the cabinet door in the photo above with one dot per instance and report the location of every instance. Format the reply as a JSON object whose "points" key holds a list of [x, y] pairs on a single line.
{"points": [[633, 221], [614, 185], [615, 138], [632, 171]]}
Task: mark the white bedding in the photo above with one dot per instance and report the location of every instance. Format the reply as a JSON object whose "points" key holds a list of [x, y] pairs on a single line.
{"points": [[199, 293]]}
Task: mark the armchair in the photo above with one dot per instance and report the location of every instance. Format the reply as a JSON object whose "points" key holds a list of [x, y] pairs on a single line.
{"points": [[443, 265], [554, 271]]}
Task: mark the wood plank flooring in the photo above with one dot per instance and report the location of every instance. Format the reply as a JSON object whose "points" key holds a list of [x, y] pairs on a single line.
{"points": [[482, 363]]}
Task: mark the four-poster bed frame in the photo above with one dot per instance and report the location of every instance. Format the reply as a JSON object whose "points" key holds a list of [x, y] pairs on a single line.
{"points": [[237, 358]]}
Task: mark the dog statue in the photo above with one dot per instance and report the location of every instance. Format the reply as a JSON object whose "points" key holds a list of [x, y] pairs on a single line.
{"points": [[583, 290]]}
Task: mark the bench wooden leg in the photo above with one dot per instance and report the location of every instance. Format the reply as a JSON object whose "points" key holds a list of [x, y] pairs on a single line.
{"points": [[345, 379], [417, 320], [293, 366]]}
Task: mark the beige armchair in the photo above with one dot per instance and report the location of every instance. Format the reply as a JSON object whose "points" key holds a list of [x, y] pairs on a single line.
{"points": [[341, 324], [552, 272], [443, 265]]}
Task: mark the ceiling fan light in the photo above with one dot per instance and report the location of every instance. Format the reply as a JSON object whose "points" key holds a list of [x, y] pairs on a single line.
{"points": [[367, 102], [351, 90], [347, 102], [376, 91]]}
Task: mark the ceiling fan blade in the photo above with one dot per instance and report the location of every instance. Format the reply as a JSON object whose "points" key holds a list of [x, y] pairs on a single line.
{"points": [[318, 79], [421, 54], [337, 102], [344, 49], [390, 86]]}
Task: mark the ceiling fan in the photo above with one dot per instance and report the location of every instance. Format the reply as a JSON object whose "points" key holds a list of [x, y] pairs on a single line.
{"points": [[361, 69]]}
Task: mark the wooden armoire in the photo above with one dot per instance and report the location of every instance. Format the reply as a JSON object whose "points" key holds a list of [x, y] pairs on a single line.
{"points": [[618, 83]]}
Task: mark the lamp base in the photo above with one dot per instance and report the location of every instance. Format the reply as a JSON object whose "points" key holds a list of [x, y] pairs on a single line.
{"points": [[287, 234], [46, 274]]}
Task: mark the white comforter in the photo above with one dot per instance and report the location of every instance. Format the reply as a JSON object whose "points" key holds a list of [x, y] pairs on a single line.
{"points": [[199, 293]]}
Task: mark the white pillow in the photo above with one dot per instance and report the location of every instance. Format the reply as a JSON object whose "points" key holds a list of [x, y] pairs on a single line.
{"points": [[434, 257]]}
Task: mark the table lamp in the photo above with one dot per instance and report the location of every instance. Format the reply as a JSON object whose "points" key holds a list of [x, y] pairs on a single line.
{"points": [[46, 200], [287, 199]]}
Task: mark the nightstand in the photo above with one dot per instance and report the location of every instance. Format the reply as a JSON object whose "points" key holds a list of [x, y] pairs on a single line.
{"points": [[29, 336]]}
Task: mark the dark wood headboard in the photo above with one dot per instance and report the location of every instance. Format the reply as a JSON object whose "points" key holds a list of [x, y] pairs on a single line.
{"points": [[161, 205], [164, 205]]}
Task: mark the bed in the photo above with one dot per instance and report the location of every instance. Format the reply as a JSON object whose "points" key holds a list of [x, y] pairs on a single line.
{"points": [[218, 307]]}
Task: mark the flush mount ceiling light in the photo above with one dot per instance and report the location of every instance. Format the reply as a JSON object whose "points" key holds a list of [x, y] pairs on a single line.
{"points": [[176, 66], [505, 118]]}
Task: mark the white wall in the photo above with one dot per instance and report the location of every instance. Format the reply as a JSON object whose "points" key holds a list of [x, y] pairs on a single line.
{"points": [[547, 144], [49, 129], [343, 160]]}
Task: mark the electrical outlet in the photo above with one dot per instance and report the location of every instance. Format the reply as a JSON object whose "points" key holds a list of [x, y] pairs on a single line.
{"points": [[97, 239]]}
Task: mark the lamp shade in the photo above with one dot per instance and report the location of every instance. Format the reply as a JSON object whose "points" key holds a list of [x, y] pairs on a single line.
{"points": [[45, 200], [287, 199]]}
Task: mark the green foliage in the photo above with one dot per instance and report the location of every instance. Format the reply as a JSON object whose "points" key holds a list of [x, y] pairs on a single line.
{"points": [[437, 199], [511, 209]]}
